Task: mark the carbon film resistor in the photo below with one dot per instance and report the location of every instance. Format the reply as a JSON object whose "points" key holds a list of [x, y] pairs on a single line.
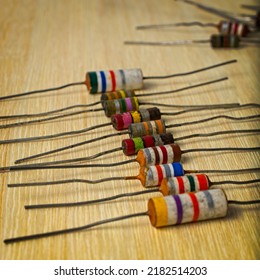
{"points": [[217, 41], [112, 80], [110, 107], [151, 176], [252, 20], [165, 211], [169, 186], [224, 27], [154, 134], [117, 121], [150, 156]]}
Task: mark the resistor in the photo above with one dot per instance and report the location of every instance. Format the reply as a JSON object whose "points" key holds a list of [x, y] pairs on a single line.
{"points": [[112, 80], [113, 107], [148, 176], [130, 105], [169, 186], [216, 41], [139, 140], [165, 211], [160, 154], [148, 156], [224, 27], [253, 20], [122, 121]]}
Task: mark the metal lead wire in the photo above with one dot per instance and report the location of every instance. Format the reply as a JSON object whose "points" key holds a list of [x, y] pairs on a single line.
{"points": [[62, 182], [114, 197], [88, 202], [69, 230], [83, 83], [124, 133], [167, 25], [141, 103], [120, 218], [56, 166], [221, 13]]}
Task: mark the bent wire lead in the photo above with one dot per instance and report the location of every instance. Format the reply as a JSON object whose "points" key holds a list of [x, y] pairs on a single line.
{"points": [[145, 157], [169, 186], [253, 20], [151, 176], [112, 80], [150, 152], [126, 105], [224, 27], [216, 41], [165, 211], [111, 107], [144, 135]]}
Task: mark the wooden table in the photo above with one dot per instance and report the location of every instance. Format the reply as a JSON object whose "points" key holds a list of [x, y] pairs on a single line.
{"points": [[48, 43]]}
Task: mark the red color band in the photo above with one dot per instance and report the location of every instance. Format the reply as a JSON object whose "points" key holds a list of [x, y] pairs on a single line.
{"points": [[148, 141], [181, 184], [203, 182], [195, 207], [160, 173], [165, 154], [113, 80]]}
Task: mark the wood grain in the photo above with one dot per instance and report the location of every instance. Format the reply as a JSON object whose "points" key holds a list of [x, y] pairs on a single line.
{"points": [[46, 43]]}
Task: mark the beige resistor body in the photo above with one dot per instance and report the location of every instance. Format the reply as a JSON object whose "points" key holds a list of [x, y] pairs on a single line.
{"points": [[187, 207], [112, 80]]}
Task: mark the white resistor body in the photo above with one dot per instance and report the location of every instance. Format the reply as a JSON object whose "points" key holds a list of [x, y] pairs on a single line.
{"points": [[187, 207], [153, 175], [184, 184], [112, 80], [233, 28]]}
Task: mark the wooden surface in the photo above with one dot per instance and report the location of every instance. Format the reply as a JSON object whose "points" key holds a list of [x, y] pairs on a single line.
{"points": [[46, 43]]}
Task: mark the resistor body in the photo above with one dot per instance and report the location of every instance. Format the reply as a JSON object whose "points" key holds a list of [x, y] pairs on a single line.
{"points": [[132, 145], [224, 41], [147, 128], [112, 80], [233, 28], [153, 175], [122, 121], [159, 155], [185, 184], [187, 207], [117, 95], [118, 106]]}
